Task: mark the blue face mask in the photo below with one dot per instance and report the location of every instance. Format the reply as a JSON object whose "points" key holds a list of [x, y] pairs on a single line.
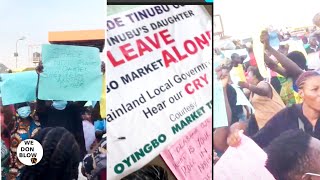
{"points": [[59, 105], [24, 112]]}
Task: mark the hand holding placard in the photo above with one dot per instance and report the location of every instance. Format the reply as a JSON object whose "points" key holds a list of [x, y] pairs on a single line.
{"points": [[246, 161]]}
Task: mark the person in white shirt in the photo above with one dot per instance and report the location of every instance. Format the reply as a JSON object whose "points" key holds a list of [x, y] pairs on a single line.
{"points": [[88, 129]]}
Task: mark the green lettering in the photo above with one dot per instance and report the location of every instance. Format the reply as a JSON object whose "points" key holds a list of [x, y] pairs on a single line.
{"points": [[183, 124], [139, 154], [176, 128], [127, 161], [154, 143], [119, 168], [147, 148], [194, 116], [188, 119], [162, 138]]}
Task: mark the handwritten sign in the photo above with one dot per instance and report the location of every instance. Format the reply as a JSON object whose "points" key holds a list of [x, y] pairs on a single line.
{"points": [[231, 165], [71, 73], [220, 118], [18, 87], [159, 83], [191, 156]]}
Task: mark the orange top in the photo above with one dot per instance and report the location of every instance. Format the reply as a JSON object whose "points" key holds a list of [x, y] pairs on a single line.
{"points": [[265, 107]]}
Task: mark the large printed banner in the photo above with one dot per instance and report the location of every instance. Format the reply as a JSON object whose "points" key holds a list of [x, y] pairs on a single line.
{"points": [[159, 84]]}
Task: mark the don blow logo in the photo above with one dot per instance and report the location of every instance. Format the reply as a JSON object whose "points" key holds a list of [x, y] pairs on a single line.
{"points": [[29, 152]]}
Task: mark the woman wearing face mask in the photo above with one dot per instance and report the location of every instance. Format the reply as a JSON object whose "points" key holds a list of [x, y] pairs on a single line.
{"points": [[25, 127], [63, 114], [264, 98]]}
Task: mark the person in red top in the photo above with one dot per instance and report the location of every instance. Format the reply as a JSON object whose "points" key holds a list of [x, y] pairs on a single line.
{"points": [[252, 61]]}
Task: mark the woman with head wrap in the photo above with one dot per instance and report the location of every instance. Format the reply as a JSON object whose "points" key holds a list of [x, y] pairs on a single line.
{"points": [[25, 127], [303, 116]]}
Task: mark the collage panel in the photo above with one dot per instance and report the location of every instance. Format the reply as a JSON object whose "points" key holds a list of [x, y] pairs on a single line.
{"points": [[159, 91], [266, 90], [52, 87]]}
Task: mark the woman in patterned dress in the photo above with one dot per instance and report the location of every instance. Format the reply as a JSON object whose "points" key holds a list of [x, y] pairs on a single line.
{"points": [[25, 127]]}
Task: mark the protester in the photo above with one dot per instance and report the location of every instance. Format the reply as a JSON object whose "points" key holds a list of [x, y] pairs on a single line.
{"points": [[264, 98], [233, 110], [5, 154], [5, 132], [316, 19], [236, 59], [291, 67], [151, 172], [300, 116], [313, 45], [88, 129], [60, 156], [302, 154], [62, 114], [25, 127], [94, 164]]}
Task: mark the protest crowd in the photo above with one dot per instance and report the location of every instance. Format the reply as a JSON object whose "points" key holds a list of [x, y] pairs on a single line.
{"points": [[71, 133], [272, 98]]}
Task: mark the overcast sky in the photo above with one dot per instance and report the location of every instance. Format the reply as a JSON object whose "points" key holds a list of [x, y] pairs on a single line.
{"points": [[242, 16], [35, 18]]}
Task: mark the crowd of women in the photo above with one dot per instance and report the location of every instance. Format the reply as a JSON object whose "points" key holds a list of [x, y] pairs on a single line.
{"points": [[285, 122]]}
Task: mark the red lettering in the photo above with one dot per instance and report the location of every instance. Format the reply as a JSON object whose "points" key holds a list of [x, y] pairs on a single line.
{"points": [[168, 58], [209, 34], [166, 37], [202, 41], [154, 43], [125, 51], [186, 47], [113, 61], [197, 83], [180, 57], [142, 47], [186, 88], [204, 78]]}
